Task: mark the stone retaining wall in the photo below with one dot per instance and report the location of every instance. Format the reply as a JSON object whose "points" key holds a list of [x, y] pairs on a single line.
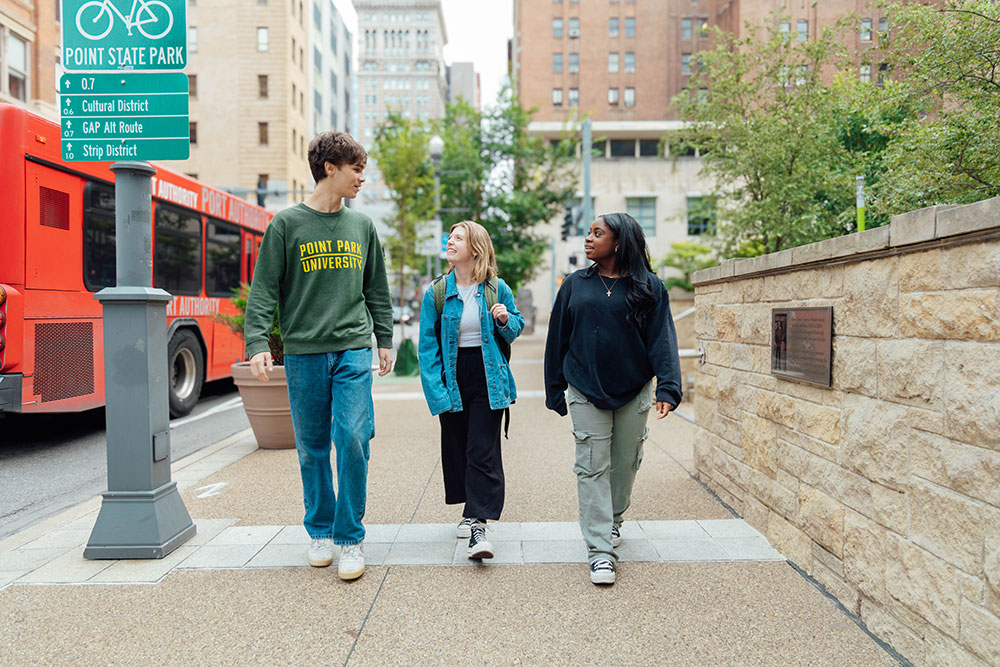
{"points": [[885, 487]]}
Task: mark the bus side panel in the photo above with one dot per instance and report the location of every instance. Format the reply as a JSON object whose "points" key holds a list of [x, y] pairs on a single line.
{"points": [[13, 134], [54, 230], [64, 365], [227, 347]]}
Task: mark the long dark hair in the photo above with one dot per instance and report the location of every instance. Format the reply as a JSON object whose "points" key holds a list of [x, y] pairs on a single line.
{"points": [[632, 262]]}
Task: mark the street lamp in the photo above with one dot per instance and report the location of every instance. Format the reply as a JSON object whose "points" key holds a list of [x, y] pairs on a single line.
{"points": [[436, 148]]}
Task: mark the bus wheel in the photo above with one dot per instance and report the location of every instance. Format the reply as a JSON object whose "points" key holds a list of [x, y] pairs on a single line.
{"points": [[186, 366]]}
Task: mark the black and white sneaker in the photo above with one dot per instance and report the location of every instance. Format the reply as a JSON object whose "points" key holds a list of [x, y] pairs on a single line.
{"points": [[616, 536], [602, 571], [479, 546], [464, 529]]}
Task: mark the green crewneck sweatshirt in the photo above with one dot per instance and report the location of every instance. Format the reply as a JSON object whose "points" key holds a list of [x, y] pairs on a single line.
{"points": [[326, 275]]}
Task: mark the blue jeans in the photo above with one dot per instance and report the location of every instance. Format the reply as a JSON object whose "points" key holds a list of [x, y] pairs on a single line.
{"points": [[331, 398]]}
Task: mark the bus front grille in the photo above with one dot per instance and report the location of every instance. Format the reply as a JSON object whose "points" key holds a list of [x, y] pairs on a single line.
{"points": [[64, 360]]}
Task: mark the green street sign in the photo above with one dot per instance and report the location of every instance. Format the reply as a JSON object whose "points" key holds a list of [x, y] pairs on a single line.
{"points": [[111, 35], [133, 116]]}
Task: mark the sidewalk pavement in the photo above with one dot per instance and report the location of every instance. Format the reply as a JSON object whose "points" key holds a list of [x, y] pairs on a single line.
{"points": [[696, 584]]}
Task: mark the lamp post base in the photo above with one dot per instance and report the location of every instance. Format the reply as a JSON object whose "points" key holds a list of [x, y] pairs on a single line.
{"points": [[140, 524]]}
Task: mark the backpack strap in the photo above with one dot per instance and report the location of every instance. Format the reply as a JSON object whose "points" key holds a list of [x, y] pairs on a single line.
{"points": [[492, 292], [439, 285]]}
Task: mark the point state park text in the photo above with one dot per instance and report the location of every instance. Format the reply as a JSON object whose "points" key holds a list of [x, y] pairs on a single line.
{"points": [[122, 57]]}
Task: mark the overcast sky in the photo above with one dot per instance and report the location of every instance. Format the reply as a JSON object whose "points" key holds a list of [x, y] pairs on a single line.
{"points": [[478, 31]]}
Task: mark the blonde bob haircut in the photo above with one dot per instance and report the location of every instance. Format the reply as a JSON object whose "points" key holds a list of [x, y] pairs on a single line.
{"points": [[485, 266]]}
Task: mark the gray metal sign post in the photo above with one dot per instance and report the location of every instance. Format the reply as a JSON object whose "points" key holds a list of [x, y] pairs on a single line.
{"points": [[142, 514]]}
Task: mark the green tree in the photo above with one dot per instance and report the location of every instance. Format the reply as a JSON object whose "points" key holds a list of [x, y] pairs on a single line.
{"points": [[401, 152], [949, 53], [688, 258], [507, 179], [780, 143]]}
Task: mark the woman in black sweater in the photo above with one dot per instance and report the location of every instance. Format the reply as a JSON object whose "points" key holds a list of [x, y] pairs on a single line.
{"points": [[610, 334]]}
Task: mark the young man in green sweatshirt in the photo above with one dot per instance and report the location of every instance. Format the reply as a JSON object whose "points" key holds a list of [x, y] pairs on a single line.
{"points": [[321, 265]]}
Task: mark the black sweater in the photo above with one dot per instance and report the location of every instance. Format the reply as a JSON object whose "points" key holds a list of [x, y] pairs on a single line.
{"points": [[594, 347]]}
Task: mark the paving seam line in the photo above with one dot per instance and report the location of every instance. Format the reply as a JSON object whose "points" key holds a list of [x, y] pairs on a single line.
{"points": [[369, 613]]}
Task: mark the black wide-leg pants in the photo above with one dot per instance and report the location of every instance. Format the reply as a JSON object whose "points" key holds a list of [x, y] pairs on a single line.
{"points": [[470, 444]]}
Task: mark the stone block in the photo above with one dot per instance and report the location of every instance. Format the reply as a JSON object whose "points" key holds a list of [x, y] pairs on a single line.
{"points": [[911, 372], [991, 561], [849, 488], [854, 365], [960, 315], [791, 542], [890, 508], [706, 386], [913, 226], [864, 555], [871, 240], [833, 563], [759, 441], [980, 216], [755, 513], [981, 633], [717, 353], [726, 322], [769, 492], [753, 290], [970, 470], [940, 650], [741, 357], [789, 481], [971, 265], [905, 640], [972, 385], [817, 421], [875, 440], [732, 292], [825, 282], [780, 287], [755, 324], [947, 524], [920, 271], [973, 588], [698, 278], [728, 381], [822, 518], [870, 306], [836, 586], [778, 408], [923, 583], [729, 430], [841, 246]]}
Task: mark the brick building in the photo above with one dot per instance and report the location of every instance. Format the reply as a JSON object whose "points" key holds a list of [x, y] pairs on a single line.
{"points": [[29, 54]]}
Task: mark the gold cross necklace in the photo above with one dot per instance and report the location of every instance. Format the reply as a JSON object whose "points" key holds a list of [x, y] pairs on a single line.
{"points": [[613, 282]]}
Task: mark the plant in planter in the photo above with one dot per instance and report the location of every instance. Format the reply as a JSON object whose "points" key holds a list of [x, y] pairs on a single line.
{"points": [[266, 403]]}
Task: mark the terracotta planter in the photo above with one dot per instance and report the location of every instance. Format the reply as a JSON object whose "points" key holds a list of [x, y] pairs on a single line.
{"points": [[266, 405]]}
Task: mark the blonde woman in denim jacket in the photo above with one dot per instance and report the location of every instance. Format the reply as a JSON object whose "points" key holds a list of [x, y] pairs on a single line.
{"points": [[466, 378]]}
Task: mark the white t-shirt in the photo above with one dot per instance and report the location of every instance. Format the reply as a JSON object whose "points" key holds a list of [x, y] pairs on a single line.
{"points": [[469, 330]]}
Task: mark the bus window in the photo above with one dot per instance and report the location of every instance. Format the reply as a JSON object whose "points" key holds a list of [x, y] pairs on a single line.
{"points": [[222, 258], [177, 264], [253, 249], [98, 236]]}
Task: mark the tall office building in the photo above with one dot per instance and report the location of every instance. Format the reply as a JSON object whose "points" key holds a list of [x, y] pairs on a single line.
{"points": [[402, 70], [463, 83], [620, 63], [29, 55], [262, 78]]}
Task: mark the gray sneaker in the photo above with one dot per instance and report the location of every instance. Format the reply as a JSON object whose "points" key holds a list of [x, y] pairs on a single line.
{"points": [[616, 536], [464, 529]]}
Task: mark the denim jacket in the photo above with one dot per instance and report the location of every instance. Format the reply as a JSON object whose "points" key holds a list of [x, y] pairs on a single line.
{"points": [[437, 370]]}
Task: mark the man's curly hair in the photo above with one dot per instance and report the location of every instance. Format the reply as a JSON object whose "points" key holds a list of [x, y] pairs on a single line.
{"points": [[337, 148]]}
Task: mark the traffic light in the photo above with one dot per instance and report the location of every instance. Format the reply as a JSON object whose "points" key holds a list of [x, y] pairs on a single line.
{"points": [[567, 225]]}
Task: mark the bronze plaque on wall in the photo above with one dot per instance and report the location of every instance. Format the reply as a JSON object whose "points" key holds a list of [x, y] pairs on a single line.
{"points": [[802, 344]]}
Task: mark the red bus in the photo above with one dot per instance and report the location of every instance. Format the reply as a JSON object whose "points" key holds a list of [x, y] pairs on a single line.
{"points": [[57, 249]]}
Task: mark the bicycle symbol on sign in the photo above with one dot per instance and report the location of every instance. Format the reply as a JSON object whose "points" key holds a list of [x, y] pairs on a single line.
{"points": [[99, 17]]}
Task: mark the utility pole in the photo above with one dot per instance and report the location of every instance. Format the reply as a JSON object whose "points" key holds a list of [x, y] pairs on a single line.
{"points": [[861, 202]]}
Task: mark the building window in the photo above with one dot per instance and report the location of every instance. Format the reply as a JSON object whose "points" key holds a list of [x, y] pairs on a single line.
{"points": [[193, 132], [317, 14], [649, 148], [685, 63], [630, 27], [193, 85], [262, 85], [333, 82], [317, 101], [702, 27], [262, 138], [700, 216], [612, 96], [612, 63], [262, 39], [883, 72], [866, 30], [883, 27], [685, 28], [557, 28], [623, 148], [557, 97], [784, 29], [613, 27], [17, 67], [574, 97], [643, 209], [557, 63], [630, 97], [574, 63], [866, 73], [629, 61], [193, 39], [803, 28], [574, 27], [317, 59]]}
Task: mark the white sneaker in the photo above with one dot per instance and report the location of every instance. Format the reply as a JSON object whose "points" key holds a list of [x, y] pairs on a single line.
{"points": [[479, 546], [464, 529], [352, 561], [616, 536], [321, 552], [602, 571]]}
